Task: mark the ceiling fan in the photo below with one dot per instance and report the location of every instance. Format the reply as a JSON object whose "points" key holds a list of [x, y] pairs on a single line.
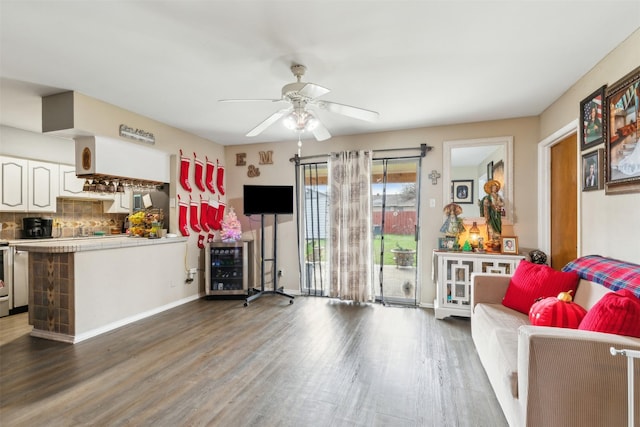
{"points": [[303, 98]]}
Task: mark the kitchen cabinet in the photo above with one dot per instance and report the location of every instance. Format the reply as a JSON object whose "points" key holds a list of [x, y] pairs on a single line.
{"points": [[71, 186], [121, 202], [42, 185], [13, 183], [80, 288], [452, 276], [28, 185], [228, 270]]}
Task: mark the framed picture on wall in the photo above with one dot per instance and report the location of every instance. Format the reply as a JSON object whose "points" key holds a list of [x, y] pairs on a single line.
{"points": [[489, 171], [591, 118], [462, 191], [622, 142], [446, 243], [509, 245], [593, 170]]}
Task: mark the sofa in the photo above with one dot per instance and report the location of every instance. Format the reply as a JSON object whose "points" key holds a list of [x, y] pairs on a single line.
{"points": [[552, 376]]}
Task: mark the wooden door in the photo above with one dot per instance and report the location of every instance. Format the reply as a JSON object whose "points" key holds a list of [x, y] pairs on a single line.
{"points": [[564, 203]]}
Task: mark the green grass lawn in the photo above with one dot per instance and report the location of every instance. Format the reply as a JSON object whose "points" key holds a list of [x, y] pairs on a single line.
{"points": [[391, 241]]}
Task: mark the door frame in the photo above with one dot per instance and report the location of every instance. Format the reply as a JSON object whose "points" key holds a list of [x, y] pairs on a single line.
{"points": [[385, 300], [544, 187]]}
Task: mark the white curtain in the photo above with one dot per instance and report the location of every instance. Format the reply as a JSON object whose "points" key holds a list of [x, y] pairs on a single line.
{"points": [[350, 250]]}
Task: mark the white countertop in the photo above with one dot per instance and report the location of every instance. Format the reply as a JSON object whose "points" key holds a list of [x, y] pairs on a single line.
{"points": [[94, 243]]}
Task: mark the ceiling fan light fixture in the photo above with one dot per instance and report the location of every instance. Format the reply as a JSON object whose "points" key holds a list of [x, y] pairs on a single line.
{"points": [[312, 123], [297, 118], [300, 121], [290, 121]]}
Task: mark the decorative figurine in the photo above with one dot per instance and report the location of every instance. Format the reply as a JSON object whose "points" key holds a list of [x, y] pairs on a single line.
{"points": [[491, 206]]}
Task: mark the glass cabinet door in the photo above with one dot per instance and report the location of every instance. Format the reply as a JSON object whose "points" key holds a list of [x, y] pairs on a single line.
{"points": [[458, 279], [227, 269], [499, 267]]}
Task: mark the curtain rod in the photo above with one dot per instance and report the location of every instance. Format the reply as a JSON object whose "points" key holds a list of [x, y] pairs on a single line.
{"points": [[424, 148]]}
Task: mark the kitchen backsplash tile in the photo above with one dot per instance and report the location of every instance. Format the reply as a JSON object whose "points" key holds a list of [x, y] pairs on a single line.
{"points": [[71, 219]]}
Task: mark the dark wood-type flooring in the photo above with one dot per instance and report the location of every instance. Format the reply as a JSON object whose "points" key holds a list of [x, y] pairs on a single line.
{"points": [[318, 362]]}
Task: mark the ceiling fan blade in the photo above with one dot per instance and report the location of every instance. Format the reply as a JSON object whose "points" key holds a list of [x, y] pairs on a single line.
{"points": [[347, 110], [249, 100], [268, 122], [312, 90], [320, 132]]}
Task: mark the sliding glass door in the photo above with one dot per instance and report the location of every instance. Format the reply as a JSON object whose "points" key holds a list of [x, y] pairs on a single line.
{"points": [[395, 203], [314, 179], [395, 216]]}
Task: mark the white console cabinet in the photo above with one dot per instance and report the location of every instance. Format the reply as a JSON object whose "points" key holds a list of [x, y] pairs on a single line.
{"points": [[452, 276]]}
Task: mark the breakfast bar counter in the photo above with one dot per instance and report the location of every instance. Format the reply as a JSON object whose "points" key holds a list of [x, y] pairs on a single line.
{"points": [[90, 243], [80, 288]]}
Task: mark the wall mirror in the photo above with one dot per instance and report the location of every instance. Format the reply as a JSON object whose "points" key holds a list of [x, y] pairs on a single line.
{"points": [[468, 164]]}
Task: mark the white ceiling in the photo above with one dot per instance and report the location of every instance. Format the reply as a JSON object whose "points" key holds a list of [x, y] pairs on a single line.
{"points": [[418, 63]]}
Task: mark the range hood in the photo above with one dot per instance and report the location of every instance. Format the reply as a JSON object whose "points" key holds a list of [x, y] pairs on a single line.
{"points": [[102, 158]]}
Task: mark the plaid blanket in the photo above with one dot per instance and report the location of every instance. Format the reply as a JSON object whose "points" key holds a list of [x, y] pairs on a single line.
{"points": [[608, 272]]}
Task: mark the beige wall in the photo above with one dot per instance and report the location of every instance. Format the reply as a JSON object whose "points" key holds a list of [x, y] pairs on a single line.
{"points": [[282, 171], [607, 218], [104, 119], [607, 222]]}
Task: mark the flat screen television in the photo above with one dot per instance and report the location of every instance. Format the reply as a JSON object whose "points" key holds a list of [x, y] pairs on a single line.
{"points": [[268, 199]]}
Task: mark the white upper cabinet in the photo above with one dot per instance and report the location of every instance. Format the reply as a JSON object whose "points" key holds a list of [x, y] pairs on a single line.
{"points": [[121, 204], [28, 185], [13, 183], [42, 186], [71, 186]]}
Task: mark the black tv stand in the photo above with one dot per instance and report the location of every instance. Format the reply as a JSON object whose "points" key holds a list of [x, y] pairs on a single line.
{"points": [[276, 291]]}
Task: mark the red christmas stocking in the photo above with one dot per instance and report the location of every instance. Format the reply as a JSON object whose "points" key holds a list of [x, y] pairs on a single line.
{"points": [[184, 172], [220, 178], [201, 241], [199, 169], [204, 214], [219, 216], [209, 176], [212, 214], [193, 216], [182, 217], [210, 237]]}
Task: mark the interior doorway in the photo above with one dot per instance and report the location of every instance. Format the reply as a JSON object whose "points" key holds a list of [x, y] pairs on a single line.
{"points": [[545, 190], [564, 203]]}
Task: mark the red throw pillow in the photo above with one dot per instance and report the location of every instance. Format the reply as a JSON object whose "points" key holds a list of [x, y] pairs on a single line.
{"points": [[532, 281], [616, 313]]}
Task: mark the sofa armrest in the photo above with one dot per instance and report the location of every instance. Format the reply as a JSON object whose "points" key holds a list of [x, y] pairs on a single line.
{"points": [[569, 377], [488, 288]]}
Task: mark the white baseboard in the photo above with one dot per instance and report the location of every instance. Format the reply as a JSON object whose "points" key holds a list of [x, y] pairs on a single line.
{"points": [[73, 339]]}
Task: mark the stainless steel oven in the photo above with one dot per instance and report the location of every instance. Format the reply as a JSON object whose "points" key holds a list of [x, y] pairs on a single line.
{"points": [[6, 278]]}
